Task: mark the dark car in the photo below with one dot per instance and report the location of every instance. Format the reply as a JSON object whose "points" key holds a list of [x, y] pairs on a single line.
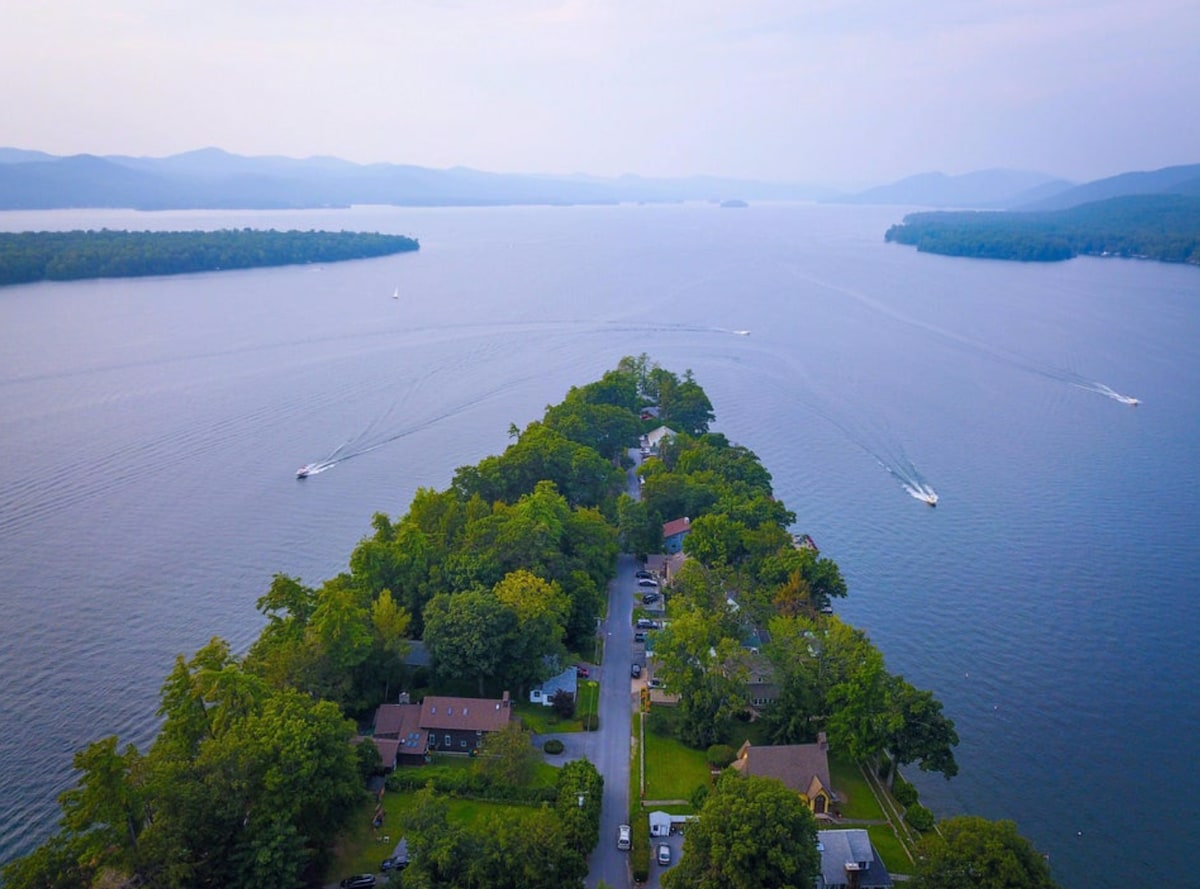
{"points": [[358, 881], [582, 672], [635, 671], [393, 863], [639, 637], [643, 574], [649, 597]]}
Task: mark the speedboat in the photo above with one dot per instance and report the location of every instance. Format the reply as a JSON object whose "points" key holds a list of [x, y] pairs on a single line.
{"points": [[303, 472]]}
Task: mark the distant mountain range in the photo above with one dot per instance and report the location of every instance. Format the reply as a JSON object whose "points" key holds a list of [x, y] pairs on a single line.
{"points": [[212, 178], [1020, 190], [983, 190]]}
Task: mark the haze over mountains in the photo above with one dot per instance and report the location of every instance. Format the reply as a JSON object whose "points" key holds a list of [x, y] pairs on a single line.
{"points": [[212, 178]]}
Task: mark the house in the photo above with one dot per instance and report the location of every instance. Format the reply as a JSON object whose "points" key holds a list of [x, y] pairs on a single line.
{"points": [[567, 681], [398, 734], [405, 733], [653, 439], [665, 566], [673, 533], [457, 725], [849, 861], [802, 767], [761, 688]]}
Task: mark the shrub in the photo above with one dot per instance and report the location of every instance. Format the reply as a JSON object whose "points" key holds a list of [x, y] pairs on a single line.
{"points": [[919, 817], [885, 768], [639, 854], [720, 755], [905, 794], [553, 746], [562, 702], [591, 722]]}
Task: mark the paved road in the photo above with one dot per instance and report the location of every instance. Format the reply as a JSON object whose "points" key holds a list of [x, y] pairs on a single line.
{"points": [[609, 748]]}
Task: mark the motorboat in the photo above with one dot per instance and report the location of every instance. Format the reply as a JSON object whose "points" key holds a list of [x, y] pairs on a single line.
{"points": [[303, 471]]}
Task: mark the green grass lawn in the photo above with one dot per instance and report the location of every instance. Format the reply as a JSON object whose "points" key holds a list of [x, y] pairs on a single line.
{"points": [[545, 721], [363, 847], [857, 800], [889, 849], [673, 771]]}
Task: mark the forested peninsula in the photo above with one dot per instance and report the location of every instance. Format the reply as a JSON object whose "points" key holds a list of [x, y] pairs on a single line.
{"points": [[273, 768], [1164, 227], [74, 255]]}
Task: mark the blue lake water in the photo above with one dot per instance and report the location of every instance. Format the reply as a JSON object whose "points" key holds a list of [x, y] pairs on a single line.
{"points": [[151, 430]]}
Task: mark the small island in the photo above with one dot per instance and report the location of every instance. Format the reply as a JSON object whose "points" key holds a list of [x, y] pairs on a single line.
{"points": [[75, 255], [1165, 227], [734, 203]]}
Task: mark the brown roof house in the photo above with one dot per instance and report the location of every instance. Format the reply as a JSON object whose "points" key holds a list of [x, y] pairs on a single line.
{"points": [[404, 733], [398, 734], [802, 767], [457, 725]]}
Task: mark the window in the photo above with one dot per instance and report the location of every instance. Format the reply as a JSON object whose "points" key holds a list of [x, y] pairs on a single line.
{"points": [[449, 743], [462, 744]]}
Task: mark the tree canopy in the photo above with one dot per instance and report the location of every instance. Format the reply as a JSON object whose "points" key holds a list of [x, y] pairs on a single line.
{"points": [[972, 851], [751, 833], [69, 256]]}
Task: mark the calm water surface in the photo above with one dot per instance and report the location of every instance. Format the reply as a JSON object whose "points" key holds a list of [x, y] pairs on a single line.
{"points": [[151, 430]]}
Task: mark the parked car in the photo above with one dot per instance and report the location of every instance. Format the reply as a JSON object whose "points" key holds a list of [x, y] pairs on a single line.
{"points": [[644, 623], [657, 683], [393, 863], [639, 637], [582, 672], [635, 671], [643, 574], [358, 881], [664, 854], [648, 581], [623, 837], [649, 598]]}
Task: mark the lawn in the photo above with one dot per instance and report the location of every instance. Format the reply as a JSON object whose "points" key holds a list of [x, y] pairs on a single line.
{"points": [[889, 848], [545, 721], [673, 770], [362, 848], [857, 800]]}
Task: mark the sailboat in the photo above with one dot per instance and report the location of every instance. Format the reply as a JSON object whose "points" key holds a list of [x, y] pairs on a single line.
{"points": [[396, 293]]}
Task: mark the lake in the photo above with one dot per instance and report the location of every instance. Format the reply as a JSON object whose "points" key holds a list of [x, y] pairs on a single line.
{"points": [[152, 429]]}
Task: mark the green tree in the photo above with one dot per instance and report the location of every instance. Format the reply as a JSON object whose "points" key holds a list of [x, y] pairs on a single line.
{"points": [[508, 756], [469, 635], [924, 734], [972, 851], [752, 833]]}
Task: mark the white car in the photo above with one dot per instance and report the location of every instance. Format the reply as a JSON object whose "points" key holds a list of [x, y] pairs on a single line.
{"points": [[664, 854], [623, 835]]}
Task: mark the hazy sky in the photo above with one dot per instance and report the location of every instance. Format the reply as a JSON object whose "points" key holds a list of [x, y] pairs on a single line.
{"points": [[820, 91]]}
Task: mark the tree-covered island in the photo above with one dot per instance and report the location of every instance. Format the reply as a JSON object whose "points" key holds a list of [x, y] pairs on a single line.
{"points": [[258, 776], [74, 255], [1165, 227]]}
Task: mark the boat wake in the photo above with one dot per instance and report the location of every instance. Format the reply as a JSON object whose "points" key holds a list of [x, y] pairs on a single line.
{"points": [[1101, 389], [950, 337]]}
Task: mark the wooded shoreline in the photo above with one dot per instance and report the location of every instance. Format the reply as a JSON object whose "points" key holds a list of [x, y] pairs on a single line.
{"points": [[26, 257]]}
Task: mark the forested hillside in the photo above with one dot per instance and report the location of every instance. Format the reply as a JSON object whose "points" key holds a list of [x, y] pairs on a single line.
{"points": [[1163, 227], [67, 256]]}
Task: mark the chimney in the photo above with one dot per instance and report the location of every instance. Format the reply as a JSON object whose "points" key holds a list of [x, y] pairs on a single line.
{"points": [[504, 701], [822, 743], [403, 699]]}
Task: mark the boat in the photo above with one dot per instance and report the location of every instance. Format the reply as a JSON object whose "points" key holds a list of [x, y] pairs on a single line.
{"points": [[742, 332], [396, 293], [303, 472]]}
